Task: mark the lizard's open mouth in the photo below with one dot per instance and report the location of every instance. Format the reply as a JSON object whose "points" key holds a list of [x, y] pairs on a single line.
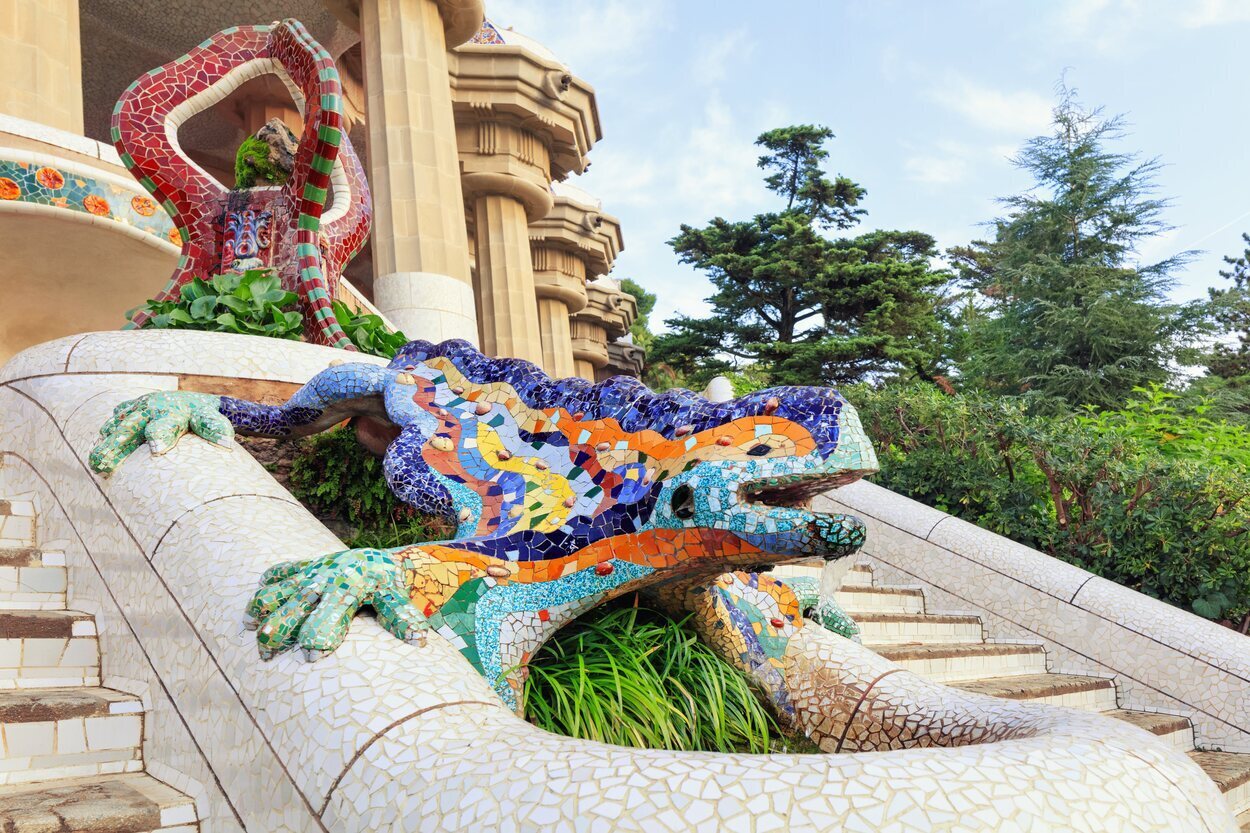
{"points": [[795, 490]]}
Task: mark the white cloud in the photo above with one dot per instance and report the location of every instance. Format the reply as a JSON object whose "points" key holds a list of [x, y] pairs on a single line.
{"points": [[610, 35], [715, 167], [1215, 13], [1117, 25], [1022, 112], [936, 170], [711, 62]]}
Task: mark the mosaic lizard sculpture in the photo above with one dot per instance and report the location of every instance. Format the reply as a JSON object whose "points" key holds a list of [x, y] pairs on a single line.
{"points": [[564, 494], [289, 227]]}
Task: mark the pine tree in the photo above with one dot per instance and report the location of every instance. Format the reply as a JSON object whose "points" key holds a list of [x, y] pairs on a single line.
{"points": [[795, 304], [1070, 317], [1232, 312]]}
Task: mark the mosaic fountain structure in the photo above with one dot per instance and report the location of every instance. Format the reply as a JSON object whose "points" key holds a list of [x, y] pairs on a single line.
{"points": [[227, 615]]}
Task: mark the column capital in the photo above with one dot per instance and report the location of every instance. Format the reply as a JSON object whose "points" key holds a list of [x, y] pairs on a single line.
{"points": [[461, 18], [536, 199], [579, 226]]}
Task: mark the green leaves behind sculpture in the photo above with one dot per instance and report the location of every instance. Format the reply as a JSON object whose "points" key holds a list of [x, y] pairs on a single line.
{"points": [[253, 303], [369, 332]]}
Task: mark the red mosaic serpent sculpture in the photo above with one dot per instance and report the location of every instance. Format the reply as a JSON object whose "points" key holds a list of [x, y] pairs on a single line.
{"points": [[311, 243]]}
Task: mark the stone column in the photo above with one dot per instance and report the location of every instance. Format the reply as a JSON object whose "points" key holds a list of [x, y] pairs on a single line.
{"points": [[506, 307], [607, 317], [573, 243], [420, 245], [41, 62], [560, 286]]}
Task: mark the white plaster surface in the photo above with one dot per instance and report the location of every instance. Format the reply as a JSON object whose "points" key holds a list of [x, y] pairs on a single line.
{"points": [[1162, 658], [387, 736]]}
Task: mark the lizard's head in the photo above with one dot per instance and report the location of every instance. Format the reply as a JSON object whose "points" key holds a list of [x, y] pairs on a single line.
{"points": [[577, 462], [756, 474]]}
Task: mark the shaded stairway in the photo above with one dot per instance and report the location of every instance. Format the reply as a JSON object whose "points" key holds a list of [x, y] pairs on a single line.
{"points": [[952, 649], [71, 752]]}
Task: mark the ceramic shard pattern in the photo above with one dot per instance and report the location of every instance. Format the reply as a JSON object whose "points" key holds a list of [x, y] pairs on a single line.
{"points": [[564, 494], [310, 244], [390, 736], [52, 186]]}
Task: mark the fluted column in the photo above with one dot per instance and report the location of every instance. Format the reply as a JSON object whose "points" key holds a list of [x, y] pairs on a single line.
{"points": [[590, 347], [560, 286], [41, 62], [506, 309], [420, 245]]}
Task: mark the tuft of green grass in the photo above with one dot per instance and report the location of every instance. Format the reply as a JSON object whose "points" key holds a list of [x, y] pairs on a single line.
{"points": [[635, 677], [412, 531]]}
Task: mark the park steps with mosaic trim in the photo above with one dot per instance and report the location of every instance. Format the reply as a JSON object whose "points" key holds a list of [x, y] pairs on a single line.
{"points": [[71, 756], [953, 649]]}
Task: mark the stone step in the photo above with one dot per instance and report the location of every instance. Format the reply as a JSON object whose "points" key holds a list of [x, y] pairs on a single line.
{"points": [[860, 575], [966, 661], [1072, 690], [880, 600], [135, 803], [1244, 822], [1173, 728], [890, 628], [68, 732], [31, 579], [17, 524], [1231, 773], [46, 648]]}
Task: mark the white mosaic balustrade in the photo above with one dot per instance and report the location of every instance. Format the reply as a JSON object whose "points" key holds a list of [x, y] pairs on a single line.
{"points": [[387, 736], [1162, 658]]}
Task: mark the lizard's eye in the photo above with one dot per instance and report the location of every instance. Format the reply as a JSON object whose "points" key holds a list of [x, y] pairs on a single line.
{"points": [[683, 502], [760, 450]]}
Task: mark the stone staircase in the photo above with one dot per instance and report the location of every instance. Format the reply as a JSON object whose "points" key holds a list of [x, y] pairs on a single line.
{"points": [[952, 649], [71, 752]]}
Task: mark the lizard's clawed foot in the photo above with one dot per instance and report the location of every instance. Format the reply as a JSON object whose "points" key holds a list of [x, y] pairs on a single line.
{"points": [[159, 419], [312, 602]]}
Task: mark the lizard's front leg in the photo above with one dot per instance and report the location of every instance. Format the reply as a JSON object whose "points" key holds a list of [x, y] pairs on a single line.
{"points": [[312, 602]]}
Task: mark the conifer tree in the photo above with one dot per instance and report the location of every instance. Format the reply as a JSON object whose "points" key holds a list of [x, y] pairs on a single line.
{"points": [[1070, 316], [792, 302]]}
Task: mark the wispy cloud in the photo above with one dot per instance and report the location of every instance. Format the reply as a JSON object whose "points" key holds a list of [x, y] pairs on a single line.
{"points": [[612, 34], [711, 63], [936, 170], [1020, 112], [1116, 25]]}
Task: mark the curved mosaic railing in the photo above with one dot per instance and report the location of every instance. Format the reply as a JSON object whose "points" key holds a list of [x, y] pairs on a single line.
{"points": [[383, 735], [37, 182], [1162, 658]]}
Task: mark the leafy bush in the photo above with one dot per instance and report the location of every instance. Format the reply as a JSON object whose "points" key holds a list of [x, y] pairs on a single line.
{"points": [[634, 677], [369, 332], [335, 476], [1153, 499], [253, 303]]}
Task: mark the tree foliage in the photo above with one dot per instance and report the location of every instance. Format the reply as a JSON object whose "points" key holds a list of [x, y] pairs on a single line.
{"points": [[800, 305], [1070, 315], [1152, 496], [1232, 311]]}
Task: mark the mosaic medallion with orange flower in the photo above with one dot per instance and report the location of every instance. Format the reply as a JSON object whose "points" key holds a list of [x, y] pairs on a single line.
{"points": [[143, 206], [9, 189], [50, 178], [96, 205], [175, 237]]}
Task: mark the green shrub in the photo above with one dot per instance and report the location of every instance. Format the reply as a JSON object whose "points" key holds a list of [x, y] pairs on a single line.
{"points": [[253, 303], [1153, 500], [335, 476], [369, 332], [634, 677]]}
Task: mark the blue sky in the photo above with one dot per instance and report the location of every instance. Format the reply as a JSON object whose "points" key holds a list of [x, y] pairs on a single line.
{"points": [[928, 101]]}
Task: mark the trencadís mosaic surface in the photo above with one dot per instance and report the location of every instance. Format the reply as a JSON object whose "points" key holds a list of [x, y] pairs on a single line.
{"points": [[564, 494], [288, 227], [56, 187]]}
